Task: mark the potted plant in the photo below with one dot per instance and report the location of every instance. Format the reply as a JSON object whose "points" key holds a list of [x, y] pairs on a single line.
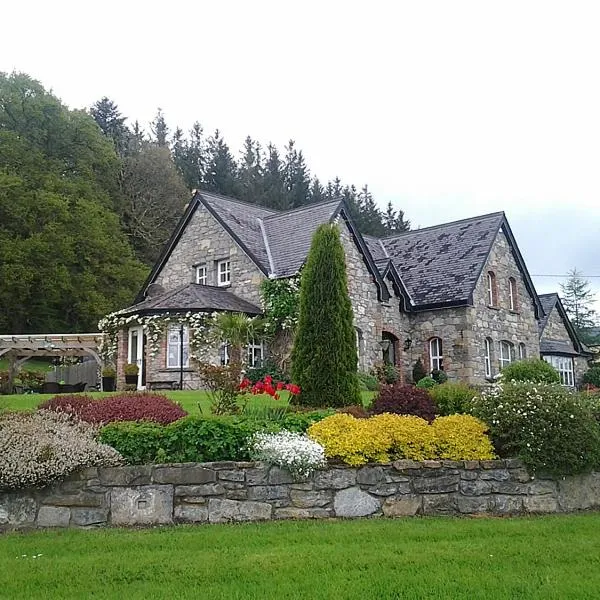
{"points": [[131, 373], [109, 376]]}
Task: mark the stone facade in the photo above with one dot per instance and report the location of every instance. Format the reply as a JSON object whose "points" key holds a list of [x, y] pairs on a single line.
{"points": [[232, 492]]}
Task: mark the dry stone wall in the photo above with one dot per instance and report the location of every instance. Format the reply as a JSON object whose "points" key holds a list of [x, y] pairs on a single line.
{"points": [[245, 491]]}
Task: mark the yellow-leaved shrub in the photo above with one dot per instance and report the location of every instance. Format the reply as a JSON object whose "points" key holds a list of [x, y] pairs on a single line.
{"points": [[388, 437], [462, 437]]}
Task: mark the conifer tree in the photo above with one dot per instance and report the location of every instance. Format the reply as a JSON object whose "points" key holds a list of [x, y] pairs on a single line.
{"points": [[160, 130], [324, 357], [221, 170], [578, 300]]}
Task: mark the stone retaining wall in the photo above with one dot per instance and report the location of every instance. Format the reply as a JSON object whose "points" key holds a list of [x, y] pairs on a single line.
{"points": [[229, 491]]}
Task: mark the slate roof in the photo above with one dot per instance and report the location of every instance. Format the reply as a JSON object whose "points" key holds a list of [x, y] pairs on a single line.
{"points": [[194, 297], [289, 235], [376, 248], [557, 347], [548, 302], [442, 264]]}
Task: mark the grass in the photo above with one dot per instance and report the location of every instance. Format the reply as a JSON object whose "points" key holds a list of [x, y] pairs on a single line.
{"points": [[193, 402], [555, 557]]}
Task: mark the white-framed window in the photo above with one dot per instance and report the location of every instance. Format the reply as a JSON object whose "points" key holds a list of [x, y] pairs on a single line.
{"points": [[512, 294], [224, 353], [224, 272], [492, 295], [564, 366], [507, 353], [436, 356], [522, 351], [201, 274], [488, 357], [256, 353], [174, 346]]}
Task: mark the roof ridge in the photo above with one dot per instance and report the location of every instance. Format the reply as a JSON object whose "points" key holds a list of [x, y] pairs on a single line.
{"points": [[242, 202], [430, 227], [284, 213]]}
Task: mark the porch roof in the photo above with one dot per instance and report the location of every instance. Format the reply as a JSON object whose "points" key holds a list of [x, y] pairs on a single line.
{"points": [[557, 347], [193, 297]]}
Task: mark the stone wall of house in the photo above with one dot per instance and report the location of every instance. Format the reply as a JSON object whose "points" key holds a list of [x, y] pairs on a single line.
{"points": [[229, 492], [500, 323], [371, 317], [555, 330], [204, 241]]}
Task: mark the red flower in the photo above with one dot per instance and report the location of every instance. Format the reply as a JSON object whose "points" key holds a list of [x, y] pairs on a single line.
{"points": [[268, 379], [280, 385], [245, 383]]}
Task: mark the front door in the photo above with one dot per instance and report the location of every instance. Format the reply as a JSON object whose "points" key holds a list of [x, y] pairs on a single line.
{"points": [[136, 353]]}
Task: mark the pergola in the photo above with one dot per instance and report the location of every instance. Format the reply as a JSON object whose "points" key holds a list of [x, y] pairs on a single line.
{"points": [[20, 348]]}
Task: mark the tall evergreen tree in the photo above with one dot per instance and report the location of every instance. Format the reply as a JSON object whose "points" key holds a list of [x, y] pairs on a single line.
{"points": [[112, 123], [394, 221], [250, 173], [273, 185], [296, 177], [317, 192], [160, 130], [578, 300], [324, 356], [221, 170]]}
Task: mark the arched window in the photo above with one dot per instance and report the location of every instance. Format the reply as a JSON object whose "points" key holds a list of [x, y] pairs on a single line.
{"points": [[513, 303], [522, 351], [492, 290], [488, 357], [507, 353], [436, 356]]}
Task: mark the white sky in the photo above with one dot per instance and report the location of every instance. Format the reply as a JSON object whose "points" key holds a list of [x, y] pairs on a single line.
{"points": [[449, 109]]}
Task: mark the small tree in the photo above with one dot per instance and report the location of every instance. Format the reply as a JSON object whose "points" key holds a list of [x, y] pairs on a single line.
{"points": [[324, 358], [578, 300]]}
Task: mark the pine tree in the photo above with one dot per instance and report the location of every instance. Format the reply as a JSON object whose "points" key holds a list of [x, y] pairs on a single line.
{"points": [[317, 193], [160, 130], [250, 172], [221, 170], [393, 221], [578, 300], [106, 113], [296, 177], [190, 155], [324, 357], [273, 188]]}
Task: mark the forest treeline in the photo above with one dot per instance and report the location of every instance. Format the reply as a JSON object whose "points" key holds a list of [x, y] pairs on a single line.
{"points": [[88, 198]]}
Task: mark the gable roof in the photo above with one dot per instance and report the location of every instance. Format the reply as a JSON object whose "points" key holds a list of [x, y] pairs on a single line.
{"points": [[441, 264], [193, 297], [551, 302]]}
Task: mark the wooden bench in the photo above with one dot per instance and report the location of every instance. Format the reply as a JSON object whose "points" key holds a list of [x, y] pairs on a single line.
{"points": [[163, 385]]}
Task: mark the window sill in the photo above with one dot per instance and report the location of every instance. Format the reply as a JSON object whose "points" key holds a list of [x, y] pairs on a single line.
{"points": [[224, 285], [493, 307], [176, 370]]}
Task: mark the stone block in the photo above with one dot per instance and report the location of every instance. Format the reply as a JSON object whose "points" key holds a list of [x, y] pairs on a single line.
{"points": [[539, 487], [370, 475], [236, 494], [223, 511], [183, 475], [406, 506], [495, 474], [145, 505], [469, 475], [336, 479], [579, 492], [492, 464], [520, 475], [232, 475], [208, 489], [278, 476], [353, 502], [440, 504], [508, 505], [508, 487], [514, 463], [310, 499], [17, 510], [268, 492], [475, 488], [388, 489], [474, 505], [292, 512], [129, 475], [80, 499], [191, 513], [257, 475], [431, 464], [405, 464], [89, 517], [436, 485], [540, 504], [53, 516], [220, 465]]}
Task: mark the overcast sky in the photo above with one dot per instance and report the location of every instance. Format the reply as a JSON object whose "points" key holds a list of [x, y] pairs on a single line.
{"points": [[449, 109]]}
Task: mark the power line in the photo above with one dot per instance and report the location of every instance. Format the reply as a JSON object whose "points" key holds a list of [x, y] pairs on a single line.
{"points": [[567, 276]]}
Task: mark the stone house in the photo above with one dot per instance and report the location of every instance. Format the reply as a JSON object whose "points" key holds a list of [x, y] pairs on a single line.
{"points": [[456, 295]]}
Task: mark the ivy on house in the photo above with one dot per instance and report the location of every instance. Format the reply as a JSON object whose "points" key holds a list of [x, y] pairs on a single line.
{"points": [[281, 301]]}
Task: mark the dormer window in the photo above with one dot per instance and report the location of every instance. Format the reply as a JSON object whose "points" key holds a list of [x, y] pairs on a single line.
{"points": [[224, 272], [512, 294], [201, 274], [492, 290]]}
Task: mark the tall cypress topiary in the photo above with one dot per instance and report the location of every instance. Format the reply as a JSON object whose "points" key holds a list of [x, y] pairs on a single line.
{"points": [[324, 358]]}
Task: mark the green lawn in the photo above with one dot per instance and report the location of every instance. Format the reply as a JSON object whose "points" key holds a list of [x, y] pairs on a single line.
{"points": [[191, 401], [419, 558]]}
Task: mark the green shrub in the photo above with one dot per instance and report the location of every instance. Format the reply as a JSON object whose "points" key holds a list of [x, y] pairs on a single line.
{"points": [[368, 382], [324, 355], [198, 439], [426, 383], [453, 398], [535, 370], [418, 371], [385, 373], [592, 377], [551, 429], [439, 376], [267, 368]]}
